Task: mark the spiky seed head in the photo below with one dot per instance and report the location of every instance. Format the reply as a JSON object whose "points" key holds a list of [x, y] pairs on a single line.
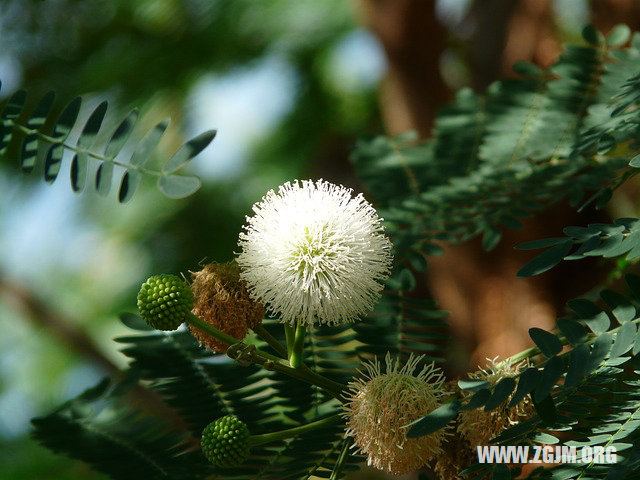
{"points": [[381, 404], [222, 300], [313, 253], [164, 300], [225, 442], [479, 427]]}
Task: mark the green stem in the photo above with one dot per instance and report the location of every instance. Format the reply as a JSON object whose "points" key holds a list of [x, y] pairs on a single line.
{"points": [[322, 381], [255, 440], [533, 351], [268, 361], [84, 151], [296, 356], [337, 468], [271, 340], [290, 333], [528, 353], [200, 324]]}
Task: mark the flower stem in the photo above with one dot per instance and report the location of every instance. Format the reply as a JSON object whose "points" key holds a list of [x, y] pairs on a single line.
{"points": [[242, 352], [271, 340], [296, 356], [200, 324], [255, 440], [289, 332]]}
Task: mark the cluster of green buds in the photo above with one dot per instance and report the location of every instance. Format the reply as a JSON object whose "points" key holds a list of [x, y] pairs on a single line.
{"points": [[225, 442], [164, 301]]}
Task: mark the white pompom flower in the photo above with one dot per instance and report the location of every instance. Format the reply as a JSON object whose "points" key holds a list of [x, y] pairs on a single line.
{"points": [[314, 253]]}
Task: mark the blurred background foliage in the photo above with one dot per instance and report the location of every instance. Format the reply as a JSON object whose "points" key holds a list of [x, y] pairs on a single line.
{"points": [[289, 84]]}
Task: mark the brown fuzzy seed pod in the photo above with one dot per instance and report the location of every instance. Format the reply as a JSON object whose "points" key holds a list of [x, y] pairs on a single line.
{"points": [[457, 453], [222, 300], [479, 427]]}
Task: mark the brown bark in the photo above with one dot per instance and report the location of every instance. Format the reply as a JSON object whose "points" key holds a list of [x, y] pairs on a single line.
{"points": [[606, 14], [413, 40], [507, 31]]}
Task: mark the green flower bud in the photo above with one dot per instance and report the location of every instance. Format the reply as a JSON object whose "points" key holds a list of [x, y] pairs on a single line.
{"points": [[225, 441], [164, 301]]}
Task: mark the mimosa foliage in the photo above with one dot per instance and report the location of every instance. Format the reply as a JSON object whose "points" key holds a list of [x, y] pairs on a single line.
{"points": [[571, 131]]}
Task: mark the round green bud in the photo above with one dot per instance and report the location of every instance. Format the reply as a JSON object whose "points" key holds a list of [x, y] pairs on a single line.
{"points": [[164, 301], [225, 441]]}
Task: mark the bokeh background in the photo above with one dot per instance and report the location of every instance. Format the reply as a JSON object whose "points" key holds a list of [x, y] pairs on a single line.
{"points": [[290, 85]]}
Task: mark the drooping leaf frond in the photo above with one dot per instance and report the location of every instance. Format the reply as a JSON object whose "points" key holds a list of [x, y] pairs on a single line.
{"points": [[100, 428], [38, 139]]}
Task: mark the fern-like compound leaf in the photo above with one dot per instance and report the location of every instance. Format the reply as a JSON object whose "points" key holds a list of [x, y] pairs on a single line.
{"points": [[38, 140]]}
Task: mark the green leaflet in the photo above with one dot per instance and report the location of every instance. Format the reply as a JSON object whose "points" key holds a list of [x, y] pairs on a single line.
{"points": [[436, 420]]}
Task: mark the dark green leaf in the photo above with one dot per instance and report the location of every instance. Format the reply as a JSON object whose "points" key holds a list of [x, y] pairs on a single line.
{"points": [[434, 421], [78, 172], [625, 338], [36, 122], [544, 438], [491, 238], [593, 316], [407, 280], [527, 381], [592, 35], [11, 111], [546, 408], [547, 342], [479, 398], [546, 260], [620, 305], [551, 373], [572, 330], [501, 393], [134, 321], [527, 68], [636, 344], [578, 365], [599, 352], [104, 177], [542, 243], [61, 131], [472, 385], [633, 281]]}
